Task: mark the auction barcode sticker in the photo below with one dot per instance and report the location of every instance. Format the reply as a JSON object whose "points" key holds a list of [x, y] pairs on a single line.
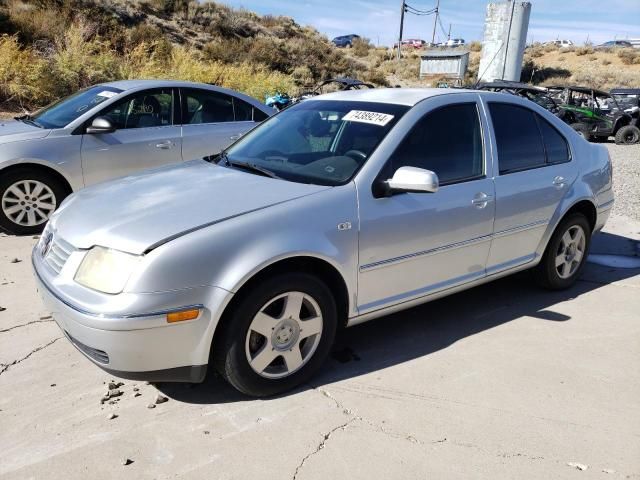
{"points": [[107, 94], [373, 118]]}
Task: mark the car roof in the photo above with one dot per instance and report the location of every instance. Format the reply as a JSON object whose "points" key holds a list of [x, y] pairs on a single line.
{"points": [[625, 91], [135, 84], [512, 85], [398, 96]]}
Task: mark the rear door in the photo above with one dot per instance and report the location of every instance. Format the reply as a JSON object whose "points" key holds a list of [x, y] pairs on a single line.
{"points": [[534, 174], [212, 120], [146, 137]]}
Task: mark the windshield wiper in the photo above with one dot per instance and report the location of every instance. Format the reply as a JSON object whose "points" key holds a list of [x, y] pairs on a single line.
{"points": [[28, 119], [253, 167]]}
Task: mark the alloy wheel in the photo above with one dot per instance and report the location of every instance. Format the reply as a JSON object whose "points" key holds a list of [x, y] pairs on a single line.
{"points": [[28, 203], [284, 335], [570, 253]]}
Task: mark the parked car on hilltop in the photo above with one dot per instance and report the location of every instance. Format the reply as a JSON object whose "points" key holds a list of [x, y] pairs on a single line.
{"points": [[615, 44], [345, 41], [412, 43], [108, 131], [338, 210]]}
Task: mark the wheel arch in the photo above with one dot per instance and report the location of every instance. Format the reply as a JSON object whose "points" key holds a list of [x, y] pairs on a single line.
{"points": [[317, 266], [32, 166], [584, 205]]}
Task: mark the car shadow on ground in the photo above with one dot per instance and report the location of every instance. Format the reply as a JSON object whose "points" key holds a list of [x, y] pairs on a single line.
{"points": [[422, 330]]}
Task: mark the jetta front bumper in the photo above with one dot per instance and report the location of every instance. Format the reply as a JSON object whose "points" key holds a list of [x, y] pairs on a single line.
{"points": [[140, 345]]}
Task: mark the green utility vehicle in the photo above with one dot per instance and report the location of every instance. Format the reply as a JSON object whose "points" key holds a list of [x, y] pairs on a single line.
{"points": [[596, 115]]}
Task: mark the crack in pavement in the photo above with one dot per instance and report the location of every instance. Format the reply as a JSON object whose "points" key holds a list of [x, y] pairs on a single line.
{"points": [[5, 366], [25, 324], [321, 445]]}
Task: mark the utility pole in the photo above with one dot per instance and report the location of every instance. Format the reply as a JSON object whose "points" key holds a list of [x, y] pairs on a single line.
{"points": [[449, 35], [435, 22], [402, 10]]}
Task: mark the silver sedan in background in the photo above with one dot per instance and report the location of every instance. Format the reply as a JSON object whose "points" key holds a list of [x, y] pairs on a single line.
{"points": [[108, 131], [338, 210]]}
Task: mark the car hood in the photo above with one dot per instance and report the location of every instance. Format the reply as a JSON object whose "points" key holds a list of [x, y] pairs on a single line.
{"points": [[134, 214], [14, 131]]}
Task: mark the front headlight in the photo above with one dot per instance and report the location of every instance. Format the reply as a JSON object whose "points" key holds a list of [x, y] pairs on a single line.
{"points": [[106, 270]]}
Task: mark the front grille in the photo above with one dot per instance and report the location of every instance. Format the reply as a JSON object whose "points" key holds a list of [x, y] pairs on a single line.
{"points": [[58, 254], [99, 356]]}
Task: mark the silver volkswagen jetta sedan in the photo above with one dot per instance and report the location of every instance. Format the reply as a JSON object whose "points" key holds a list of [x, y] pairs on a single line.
{"points": [[338, 210], [108, 131]]}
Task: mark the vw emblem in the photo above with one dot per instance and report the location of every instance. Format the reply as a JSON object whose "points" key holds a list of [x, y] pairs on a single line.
{"points": [[46, 244]]}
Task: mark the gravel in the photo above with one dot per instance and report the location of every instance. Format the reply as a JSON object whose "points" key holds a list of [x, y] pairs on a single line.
{"points": [[626, 179]]}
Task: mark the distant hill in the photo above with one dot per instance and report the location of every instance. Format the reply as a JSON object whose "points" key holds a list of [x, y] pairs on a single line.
{"points": [[51, 48]]}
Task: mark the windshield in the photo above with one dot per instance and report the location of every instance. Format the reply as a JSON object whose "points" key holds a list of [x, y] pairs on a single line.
{"points": [[627, 101], [322, 142], [62, 112]]}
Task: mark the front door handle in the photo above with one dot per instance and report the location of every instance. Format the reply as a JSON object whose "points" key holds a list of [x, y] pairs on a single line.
{"points": [[559, 182], [166, 145], [481, 200]]}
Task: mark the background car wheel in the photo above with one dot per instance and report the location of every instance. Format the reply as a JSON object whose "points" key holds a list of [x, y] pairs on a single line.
{"points": [[628, 135], [27, 200], [566, 254], [584, 130], [277, 336]]}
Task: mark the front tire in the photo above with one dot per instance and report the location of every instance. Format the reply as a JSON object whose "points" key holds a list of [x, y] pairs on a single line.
{"points": [[28, 198], [278, 335], [566, 254], [628, 135]]}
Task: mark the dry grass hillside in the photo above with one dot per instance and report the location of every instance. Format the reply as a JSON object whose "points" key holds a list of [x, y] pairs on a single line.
{"points": [[543, 65], [51, 48]]}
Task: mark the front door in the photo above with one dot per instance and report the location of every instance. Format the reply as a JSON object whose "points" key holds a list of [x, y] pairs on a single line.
{"points": [[415, 244], [146, 137]]}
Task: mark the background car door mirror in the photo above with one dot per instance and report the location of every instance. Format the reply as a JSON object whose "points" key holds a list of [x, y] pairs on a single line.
{"points": [[101, 125], [413, 179]]}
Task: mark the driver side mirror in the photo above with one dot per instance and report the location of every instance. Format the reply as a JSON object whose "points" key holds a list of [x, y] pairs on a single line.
{"points": [[412, 180], [101, 125]]}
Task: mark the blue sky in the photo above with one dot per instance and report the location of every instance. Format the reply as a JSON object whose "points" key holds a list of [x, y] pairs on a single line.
{"points": [[378, 20]]}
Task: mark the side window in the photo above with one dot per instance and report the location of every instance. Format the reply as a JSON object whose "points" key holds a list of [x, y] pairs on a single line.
{"points": [[150, 108], [518, 138], [259, 115], [447, 141], [242, 110], [555, 144], [204, 106]]}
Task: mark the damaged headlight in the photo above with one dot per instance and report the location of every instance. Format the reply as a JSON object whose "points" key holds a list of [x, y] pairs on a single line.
{"points": [[106, 270]]}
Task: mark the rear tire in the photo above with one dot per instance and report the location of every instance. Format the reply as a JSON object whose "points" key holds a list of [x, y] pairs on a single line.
{"points": [[264, 348], [565, 255], [628, 135], [584, 130], [27, 200]]}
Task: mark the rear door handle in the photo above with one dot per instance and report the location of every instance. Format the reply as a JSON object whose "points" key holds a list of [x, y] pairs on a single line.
{"points": [[559, 182], [166, 145], [481, 200]]}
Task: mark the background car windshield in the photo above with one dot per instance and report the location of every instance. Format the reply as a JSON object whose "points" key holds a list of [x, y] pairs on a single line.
{"points": [[321, 142], [61, 113]]}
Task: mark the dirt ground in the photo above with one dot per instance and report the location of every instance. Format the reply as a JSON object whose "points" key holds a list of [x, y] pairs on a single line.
{"points": [[502, 381]]}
